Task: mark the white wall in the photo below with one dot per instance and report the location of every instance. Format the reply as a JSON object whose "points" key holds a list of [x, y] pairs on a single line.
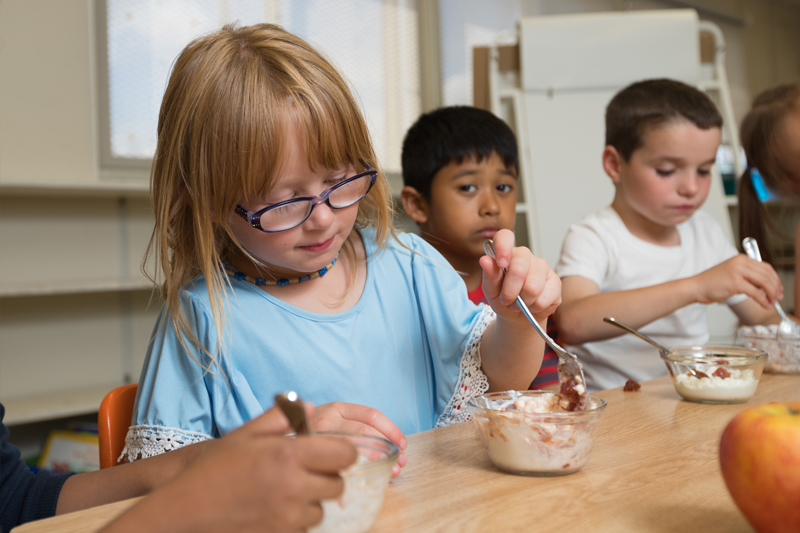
{"points": [[47, 112], [69, 239], [762, 36]]}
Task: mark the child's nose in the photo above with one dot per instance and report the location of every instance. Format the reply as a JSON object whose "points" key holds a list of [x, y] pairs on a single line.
{"points": [[489, 204], [321, 217], [690, 184]]}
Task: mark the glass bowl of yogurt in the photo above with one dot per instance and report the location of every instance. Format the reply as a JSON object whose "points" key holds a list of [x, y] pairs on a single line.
{"points": [[783, 355], [529, 433], [724, 374], [365, 482]]}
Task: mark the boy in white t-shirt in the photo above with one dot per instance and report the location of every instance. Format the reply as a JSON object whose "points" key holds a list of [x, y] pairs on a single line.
{"points": [[651, 259]]}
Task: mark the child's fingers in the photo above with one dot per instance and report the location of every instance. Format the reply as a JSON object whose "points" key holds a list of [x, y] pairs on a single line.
{"points": [[550, 296], [376, 419], [520, 279], [758, 295], [271, 422], [492, 277], [755, 285], [362, 419], [324, 455], [503, 247], [506, 285], [765, 281], [360, 428]]}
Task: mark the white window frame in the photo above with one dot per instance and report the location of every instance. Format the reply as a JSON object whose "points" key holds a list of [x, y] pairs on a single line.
{"points": [[108, 162], [115, 166]]}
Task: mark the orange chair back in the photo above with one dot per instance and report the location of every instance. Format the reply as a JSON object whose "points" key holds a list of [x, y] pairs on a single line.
{"points": [[113, 421]]}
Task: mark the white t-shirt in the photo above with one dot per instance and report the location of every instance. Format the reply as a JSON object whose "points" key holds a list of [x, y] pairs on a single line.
{"points": [[601, 248]]}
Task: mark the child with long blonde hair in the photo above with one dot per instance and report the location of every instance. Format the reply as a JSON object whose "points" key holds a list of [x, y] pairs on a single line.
{"points": [[264, 171]]}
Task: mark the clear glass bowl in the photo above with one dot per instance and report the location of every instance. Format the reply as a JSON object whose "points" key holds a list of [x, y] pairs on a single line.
{"points": [[365, 483], [783, 357], [729, 374], [537, 444]]}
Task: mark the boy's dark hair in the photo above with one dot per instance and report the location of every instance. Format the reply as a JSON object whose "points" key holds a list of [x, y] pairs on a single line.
{"points": [[452, 134], [645, 104]]}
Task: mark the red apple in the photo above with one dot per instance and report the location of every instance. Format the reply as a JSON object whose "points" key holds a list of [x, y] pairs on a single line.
{"points": [[760, 458]]}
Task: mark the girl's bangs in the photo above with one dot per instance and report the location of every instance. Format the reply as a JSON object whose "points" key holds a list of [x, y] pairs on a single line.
{"points": [[326, 139], [331, 141]]}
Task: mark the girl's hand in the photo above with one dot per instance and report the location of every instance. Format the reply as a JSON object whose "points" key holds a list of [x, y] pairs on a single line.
{"points": [[354, 418], [527, 276], [739, 275]]}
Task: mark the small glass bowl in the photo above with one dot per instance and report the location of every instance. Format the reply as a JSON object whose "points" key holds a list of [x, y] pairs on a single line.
{"points": [[783, 357], [731, 372], [365, 483], [536, 444]]}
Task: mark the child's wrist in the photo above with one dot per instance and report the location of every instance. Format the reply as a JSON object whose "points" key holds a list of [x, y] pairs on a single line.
{"points": [[685, 291], [519, 322], [692, 290]]}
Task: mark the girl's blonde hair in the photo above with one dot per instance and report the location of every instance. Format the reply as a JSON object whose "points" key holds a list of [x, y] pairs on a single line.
{"points": [[759, 134], [232, 99]]}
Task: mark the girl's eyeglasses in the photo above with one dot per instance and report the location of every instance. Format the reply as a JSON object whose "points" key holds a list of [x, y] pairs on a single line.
{"points": [[291, 213]]}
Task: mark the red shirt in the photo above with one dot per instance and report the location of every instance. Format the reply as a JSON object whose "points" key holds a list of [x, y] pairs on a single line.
{"points": [[477, 296]]}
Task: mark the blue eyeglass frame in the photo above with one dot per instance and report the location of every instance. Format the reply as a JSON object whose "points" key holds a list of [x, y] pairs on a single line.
{"points": [[254, 217]]}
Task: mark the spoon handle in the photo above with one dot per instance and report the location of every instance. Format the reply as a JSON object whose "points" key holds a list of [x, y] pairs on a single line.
{"points": [[647, 339], [751, 249], [621, 325], [782, 313], [539, 329], [292, 406]]}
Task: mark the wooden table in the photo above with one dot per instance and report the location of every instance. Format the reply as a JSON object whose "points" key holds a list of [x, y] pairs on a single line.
{"points": [[654, 468]]}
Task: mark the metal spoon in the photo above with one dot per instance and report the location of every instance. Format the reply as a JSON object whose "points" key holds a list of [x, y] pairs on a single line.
{"points": [[570, 372], [613, 321], [787, 327], [292, 406]]}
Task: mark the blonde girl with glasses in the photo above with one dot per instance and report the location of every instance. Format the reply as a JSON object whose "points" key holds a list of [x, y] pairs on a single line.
{"points": [[280, 268]]}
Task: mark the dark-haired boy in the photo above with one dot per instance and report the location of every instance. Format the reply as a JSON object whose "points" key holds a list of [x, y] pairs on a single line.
{"points": [[460, 175], [652, 259]]}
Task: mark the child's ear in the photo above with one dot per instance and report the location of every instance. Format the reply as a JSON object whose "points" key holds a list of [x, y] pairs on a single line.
{"points": [[414, 204], [612, 163]]}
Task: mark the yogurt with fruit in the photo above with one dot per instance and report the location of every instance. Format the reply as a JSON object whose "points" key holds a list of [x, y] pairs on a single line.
{"points": [[717, 384], [783, 355], [520, 437]]}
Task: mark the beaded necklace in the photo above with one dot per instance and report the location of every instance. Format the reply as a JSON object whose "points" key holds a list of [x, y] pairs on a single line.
{"points": [[283, 281]]}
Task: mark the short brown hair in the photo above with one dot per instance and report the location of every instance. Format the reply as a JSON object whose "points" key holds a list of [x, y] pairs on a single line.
{"points": [[649, 103]]}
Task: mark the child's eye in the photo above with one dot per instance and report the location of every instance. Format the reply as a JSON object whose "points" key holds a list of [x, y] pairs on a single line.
{"points": [[334, 181], [505, 187], [704, 171], [287, 209], [665, 171], [467, 188]]}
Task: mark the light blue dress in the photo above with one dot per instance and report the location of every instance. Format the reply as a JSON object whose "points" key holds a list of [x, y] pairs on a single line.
{"points": [[410, 348]]}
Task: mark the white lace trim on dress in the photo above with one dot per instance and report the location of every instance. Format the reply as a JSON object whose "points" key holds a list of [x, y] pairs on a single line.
{"points": [[471, 379], [142, 442]]}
